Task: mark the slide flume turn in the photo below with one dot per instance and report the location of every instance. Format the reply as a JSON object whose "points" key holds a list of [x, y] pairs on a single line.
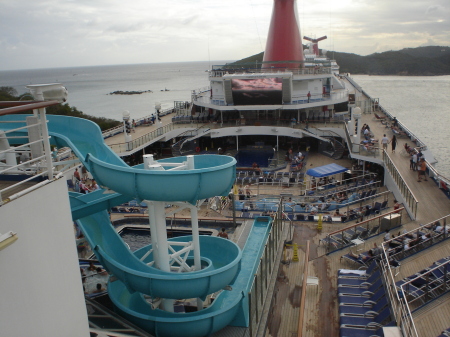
{"points": [[212, 175]]}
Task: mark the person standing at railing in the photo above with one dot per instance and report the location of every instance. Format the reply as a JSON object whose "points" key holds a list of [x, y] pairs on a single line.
{"points": [[76, 174], [422, 169], [309, 96]]}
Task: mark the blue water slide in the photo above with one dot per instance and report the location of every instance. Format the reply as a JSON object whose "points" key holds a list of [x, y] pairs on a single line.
{"points": [[212, 175], [220, 262], [221, 259], [229, 308]]}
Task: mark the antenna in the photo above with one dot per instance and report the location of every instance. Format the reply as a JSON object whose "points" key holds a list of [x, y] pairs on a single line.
{"points": [[315, 43]]}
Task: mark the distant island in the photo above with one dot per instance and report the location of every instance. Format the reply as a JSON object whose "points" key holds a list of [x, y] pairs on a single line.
{"points": [[420, 61], [120, 92]]}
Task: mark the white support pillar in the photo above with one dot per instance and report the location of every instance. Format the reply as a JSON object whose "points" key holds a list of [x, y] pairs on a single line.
{"points": [[237, 143], [148, 160], [162, 245], [4, 145], [48, 152], [153, 231], [196, 246], [195, 237]]}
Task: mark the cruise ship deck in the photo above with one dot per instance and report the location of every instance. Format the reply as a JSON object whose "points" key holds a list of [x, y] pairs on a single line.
{"points": [[321, 316]]}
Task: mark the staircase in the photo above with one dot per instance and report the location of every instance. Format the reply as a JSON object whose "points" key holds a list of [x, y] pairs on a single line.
{"points": [[339, 149], [176, 148]]}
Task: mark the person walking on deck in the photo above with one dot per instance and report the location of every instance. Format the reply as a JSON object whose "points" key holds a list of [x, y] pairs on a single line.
{"points": [[385, 142], [393, 143]]}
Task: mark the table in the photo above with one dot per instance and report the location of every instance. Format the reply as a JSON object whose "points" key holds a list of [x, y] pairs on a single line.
{"points": [[358, 242]]}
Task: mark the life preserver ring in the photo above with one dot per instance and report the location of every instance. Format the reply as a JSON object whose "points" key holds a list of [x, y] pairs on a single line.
{"points": [[197, 149]]}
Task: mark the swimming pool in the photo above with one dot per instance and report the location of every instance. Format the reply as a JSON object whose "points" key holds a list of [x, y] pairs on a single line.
{"points": [[246, 158], [140, 237]]}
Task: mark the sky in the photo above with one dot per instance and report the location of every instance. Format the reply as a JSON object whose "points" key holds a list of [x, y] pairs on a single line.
{"points": [[70, 33]]}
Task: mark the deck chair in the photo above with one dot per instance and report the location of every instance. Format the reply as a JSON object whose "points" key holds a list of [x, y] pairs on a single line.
{"points": [[330, 241], [278, 178], [373, 230], [371, 310], [378, 117], [373, 266], [356, 260], [378, 320], [360, 332], [362, 300], [364, 234], [361, 291], [376, 209], [345, 282]]}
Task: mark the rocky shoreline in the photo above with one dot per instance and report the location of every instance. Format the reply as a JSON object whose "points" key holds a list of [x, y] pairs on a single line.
{"points": [[120, 92]]}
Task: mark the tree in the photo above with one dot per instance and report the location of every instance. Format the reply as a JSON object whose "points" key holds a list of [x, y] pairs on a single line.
{"points": [[8, 94]]}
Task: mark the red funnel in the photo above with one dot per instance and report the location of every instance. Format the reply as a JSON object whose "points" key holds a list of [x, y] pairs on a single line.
{"points": [[283, 40]]}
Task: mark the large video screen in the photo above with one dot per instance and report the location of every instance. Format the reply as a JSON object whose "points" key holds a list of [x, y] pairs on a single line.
{"points": [[257, 91]]}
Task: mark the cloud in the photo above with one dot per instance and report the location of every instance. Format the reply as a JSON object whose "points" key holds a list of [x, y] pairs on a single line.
{"points": [[60, 33]]}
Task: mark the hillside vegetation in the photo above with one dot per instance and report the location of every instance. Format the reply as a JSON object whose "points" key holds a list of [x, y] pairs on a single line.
{"points": [[421, 61], [10, 94]]}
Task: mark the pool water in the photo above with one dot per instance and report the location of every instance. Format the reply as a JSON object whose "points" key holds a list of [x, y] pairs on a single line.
{"points": [[246, 158], [140, 237]]}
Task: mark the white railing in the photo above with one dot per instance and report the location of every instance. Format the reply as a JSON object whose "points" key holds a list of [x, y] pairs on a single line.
{"points": [[32, 163], [400, 304]]}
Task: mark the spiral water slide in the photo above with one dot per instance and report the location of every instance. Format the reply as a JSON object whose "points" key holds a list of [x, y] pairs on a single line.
{"points": [[133, 274]]}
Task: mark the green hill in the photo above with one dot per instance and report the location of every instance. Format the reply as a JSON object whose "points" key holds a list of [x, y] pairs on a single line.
{"points": [[421, 61]]}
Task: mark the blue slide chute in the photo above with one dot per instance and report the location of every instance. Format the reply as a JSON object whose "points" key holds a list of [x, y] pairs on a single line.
{"points": [[223, 263]]}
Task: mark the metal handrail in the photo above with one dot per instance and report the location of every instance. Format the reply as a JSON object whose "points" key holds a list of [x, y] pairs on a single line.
{"points": [[404, 188], [400, 309], [260, 282]]}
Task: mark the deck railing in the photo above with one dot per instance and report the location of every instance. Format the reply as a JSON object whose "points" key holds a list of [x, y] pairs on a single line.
{"points": [[36, 165], [400, 252], [257, 295], [372, 226], [400, 309], [408, 196], [401, 304], [143, 140]]}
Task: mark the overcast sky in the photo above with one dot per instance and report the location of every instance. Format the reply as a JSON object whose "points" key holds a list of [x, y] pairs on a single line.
{"points": [[66, 33]]}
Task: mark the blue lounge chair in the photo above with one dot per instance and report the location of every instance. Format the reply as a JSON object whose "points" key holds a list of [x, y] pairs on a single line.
{"points": [[359, 282], [348, 331], [370, 310], [362, 300], [371, 269], [361, 290], [378, 320]]}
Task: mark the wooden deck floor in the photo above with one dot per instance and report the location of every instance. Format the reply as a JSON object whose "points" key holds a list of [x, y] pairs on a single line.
{"points": [[321, 313]]}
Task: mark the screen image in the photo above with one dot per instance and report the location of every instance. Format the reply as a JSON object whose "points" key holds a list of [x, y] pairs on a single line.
{"points": [[257, 91]]}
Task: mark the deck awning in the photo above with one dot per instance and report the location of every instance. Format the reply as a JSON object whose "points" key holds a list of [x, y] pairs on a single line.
{"points": [[326, 170]]}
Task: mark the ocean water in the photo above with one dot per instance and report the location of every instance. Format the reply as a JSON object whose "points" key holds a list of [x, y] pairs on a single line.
{"points": [[422, 103], [90, 87]]}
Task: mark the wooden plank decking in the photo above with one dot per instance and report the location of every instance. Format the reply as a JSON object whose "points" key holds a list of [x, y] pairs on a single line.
{"points": [[321, 313]]}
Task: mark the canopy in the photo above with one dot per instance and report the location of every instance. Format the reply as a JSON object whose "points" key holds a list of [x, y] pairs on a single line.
{"points": [[326, 170]]}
